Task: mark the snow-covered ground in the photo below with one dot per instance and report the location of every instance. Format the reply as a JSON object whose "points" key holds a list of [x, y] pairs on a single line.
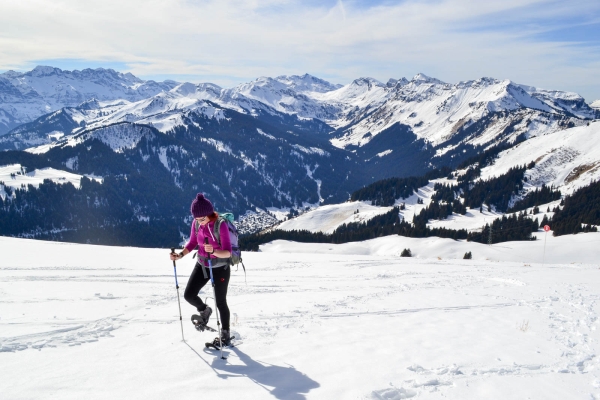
{"points": [[352, 321], [16, 176], [568, 159], [328, 218]]}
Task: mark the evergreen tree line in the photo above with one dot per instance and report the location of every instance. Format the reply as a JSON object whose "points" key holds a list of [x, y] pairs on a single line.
{"points": [[382, 225], [508, 228], [486, 157], [439, 210], [496, 191], [385, 192], [543, 195], [445, 193], [96, 213], [581, 209]]}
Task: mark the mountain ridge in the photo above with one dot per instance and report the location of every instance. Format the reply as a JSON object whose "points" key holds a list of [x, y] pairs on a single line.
{"points": [[280, 144]]}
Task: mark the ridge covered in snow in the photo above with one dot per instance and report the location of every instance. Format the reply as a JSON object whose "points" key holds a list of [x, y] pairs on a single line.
{"points": [[435, 111], [29, 95], [566, 160], [16, 176], [339, 137]]}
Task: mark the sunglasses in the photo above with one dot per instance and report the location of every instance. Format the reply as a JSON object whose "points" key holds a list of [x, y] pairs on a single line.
{"points": [[201, 219]]}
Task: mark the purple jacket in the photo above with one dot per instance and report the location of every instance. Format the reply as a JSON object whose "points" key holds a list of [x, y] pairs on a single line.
{"points": [[206, 231]]}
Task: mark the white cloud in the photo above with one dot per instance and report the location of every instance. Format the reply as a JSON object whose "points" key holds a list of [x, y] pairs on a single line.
{"points": [[241, 40]]}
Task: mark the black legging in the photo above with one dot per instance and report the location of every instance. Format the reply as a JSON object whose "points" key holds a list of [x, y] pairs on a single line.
{"points": [[197, 282]]}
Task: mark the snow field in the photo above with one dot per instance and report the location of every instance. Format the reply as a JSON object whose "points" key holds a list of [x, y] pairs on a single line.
{"points": [[328, 218], [569, 249], [96, 322], [567, 159], [35, 177]]}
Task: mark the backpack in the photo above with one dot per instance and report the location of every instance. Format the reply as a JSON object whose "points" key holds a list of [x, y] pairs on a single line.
{"points": [[236, 253]]}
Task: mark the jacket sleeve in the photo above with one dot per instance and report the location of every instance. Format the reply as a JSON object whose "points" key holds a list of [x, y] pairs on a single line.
{"points": [[193, 242]]}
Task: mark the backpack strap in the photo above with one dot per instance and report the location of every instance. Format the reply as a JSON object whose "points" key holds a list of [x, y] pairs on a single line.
{"points": [[217, 229], [217, 234]]}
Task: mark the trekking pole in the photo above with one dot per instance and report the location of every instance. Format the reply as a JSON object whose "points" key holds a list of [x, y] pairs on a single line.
{"points": [[178, 301], [212, 280]]}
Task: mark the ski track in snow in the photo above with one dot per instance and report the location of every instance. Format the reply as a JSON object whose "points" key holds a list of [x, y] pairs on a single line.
{"points": [[74, 335], [417, 328]]}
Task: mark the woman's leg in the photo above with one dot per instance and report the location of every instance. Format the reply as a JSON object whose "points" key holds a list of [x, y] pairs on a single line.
{"points": [[222, 276], [195, 283]]}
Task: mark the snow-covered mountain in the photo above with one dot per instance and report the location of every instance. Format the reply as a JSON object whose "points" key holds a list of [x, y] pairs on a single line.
{"points": [[474, 113], [565, 160], [291, 142], [27, 96], [442, 113]]}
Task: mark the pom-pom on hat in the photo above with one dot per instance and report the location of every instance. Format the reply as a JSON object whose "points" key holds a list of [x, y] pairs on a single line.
{"points": [[201, 206]]}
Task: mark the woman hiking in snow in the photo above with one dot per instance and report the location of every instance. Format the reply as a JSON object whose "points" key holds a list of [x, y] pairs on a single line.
{"points": [[202, 235]]}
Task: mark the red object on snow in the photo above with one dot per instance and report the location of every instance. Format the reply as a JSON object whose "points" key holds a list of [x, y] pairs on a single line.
{"points": [[546, 228]]}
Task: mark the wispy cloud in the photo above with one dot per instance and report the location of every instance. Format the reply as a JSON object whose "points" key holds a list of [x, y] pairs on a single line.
{"points": [[546, 43]]}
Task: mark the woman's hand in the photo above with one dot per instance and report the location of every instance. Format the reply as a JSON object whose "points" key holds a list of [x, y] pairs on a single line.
{"points": [[208, 248], [177, 256]]}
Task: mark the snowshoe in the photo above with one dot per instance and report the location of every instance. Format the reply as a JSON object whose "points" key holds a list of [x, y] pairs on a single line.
{"points": [[225, 341], [200, 325]]}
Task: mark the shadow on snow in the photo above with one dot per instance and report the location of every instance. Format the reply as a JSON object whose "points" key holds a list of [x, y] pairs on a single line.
{"points": [[286, 382]]}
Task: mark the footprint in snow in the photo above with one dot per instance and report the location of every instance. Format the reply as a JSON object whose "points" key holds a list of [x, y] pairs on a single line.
{"points": [[393, 394]]}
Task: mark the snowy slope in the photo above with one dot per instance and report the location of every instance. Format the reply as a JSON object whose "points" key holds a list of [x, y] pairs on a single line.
{"points": [[98, 322], [580, 248], [435, 111], [16, 176], [567, 159], [327, 218], [118, 137], [287, 94], [360, 110], [26, 96]]}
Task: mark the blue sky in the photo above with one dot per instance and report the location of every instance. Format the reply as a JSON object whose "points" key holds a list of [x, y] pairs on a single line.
{"points": [[545, 43]]}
